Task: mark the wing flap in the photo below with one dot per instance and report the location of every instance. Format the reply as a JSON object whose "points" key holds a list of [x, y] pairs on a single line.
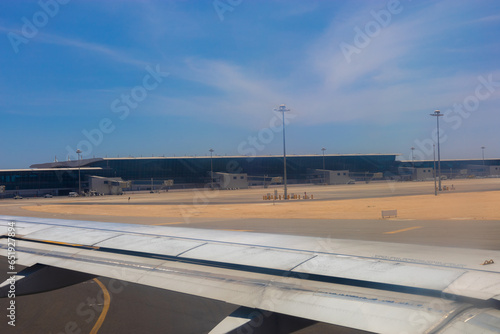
{"points": [[479, 285]]}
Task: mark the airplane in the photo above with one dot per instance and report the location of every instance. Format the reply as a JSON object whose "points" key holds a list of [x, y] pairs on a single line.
{"points": [[277, 280]]}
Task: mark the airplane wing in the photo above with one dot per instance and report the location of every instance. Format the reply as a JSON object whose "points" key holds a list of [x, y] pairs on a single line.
{"points": [[372, 286]]}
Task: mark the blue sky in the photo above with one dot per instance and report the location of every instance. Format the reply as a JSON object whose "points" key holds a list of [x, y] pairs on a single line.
{"points": [[143, 78]]}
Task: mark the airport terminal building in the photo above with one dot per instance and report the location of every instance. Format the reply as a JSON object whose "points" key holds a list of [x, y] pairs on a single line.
{"points": [[156, 173], [60, 178]]}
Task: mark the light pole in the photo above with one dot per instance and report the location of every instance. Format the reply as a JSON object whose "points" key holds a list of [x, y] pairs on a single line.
{"points": [[323, 149], [482, 148], [412, 161], [324, 173], [412, 164], [282, 108], [211, 170], [438, 114], [434, 169], [79, 152]]}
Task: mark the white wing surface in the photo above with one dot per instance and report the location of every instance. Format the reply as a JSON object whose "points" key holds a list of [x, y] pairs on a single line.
{"points": [[373, 286]]}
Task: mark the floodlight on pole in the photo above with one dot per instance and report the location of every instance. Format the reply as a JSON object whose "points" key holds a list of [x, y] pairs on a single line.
{"points": [[79, 152], [482, 148], [282, 109], [438, 114]]}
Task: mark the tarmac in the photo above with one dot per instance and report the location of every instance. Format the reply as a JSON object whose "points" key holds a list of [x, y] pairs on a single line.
{"points": [[467, 217]]}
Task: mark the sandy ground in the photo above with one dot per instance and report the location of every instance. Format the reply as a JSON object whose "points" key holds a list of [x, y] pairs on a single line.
{"points": [[471, 205]]}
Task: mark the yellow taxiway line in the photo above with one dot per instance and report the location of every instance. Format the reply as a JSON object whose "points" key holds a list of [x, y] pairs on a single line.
{"points": [[105, 308]]}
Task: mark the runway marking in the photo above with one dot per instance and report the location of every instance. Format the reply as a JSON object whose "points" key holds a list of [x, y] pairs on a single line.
{"points": [[159, 224], [105, 308], [404, 230]]}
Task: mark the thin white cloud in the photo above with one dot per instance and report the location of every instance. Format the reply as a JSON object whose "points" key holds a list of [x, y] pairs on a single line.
{"points": [[377, 86], [111, 54], [490, 18], [225, 76]]}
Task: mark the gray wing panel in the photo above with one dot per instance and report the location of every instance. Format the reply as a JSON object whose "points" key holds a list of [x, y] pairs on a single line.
{"points": [[249, 256], [309, 256], [479, 285], [70, 235], [233, 267], [477, 321], [380, 271], [362, 308], [147, 244]]}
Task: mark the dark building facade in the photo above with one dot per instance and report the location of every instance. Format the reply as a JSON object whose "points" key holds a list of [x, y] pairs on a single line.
{"points": [[62, 177], [187, 171], [453, 168], [37, 182], [197, 169]]}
